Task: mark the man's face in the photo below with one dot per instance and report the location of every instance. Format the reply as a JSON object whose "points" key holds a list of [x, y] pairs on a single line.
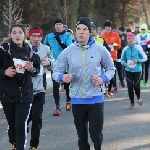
{"points": [[107, 29], [120, 32], [130, 41], [82, 33], [93, 32], [35, 39], [137, 29], [27, 32], [59, 27], [143, 31]]}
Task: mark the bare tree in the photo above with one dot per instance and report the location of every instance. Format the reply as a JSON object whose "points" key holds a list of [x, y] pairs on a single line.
{"points": [[145, 10], [12, 12]]}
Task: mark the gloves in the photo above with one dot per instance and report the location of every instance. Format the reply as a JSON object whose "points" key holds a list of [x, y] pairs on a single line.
{"points": [[115, 44]]}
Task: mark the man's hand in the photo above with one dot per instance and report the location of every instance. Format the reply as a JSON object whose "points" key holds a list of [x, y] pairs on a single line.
{"points": [[97, 80], [67, 77], [10, 72], [29, 66], [45, 62]]}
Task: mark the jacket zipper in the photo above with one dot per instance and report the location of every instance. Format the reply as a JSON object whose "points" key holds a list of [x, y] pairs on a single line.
{"points": [[131, 57], [83, 67]]}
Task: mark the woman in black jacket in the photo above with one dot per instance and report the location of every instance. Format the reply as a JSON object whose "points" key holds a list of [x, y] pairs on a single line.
{"points": [[16, 89]]}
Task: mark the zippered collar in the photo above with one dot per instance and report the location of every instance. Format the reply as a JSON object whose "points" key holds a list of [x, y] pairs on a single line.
{"points": [[91, 41]]}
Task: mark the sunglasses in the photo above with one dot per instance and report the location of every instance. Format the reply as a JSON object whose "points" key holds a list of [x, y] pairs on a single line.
{"points": [[142, 29]]}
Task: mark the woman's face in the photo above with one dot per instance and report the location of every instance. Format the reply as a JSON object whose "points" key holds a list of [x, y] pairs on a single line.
{"points": [[17, 35]]}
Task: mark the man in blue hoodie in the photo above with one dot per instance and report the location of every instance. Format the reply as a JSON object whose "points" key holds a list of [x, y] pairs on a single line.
{"points": [[84, 61], [58, 41]]}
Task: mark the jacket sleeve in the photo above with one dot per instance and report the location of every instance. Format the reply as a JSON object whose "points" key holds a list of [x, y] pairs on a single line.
{"points": [[50, 58], [2, 70], [46, 41], [143, 56], [123, 57], [60, 66], [69, 40], [118, 41], [108, 64]]}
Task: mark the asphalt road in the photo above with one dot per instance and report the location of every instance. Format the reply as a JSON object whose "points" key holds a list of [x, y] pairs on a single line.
{"points": [[124, 129]]}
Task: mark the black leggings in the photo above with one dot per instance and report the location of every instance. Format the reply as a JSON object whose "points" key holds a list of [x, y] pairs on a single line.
{"points": [[92, 113], [56, 95], [145, 67], [119, 69], [17, 115], [133, 84]]}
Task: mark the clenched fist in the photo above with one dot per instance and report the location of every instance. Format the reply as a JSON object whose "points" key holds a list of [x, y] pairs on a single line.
{"points": [[67, 77], [97, 80]]}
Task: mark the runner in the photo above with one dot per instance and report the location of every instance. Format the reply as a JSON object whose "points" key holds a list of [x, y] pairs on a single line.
{"points": [[119, 67], [114, 42], [132, 57], [16, 88], [39, 84], [84, 60], [142, 39], [58, 41]]}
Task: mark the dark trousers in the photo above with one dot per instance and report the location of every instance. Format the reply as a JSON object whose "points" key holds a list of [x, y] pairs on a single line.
{"points": [[133, 84], [92, 113], [119, 69], [17, 115], [36, 118], [56, 95], [145, 67]]}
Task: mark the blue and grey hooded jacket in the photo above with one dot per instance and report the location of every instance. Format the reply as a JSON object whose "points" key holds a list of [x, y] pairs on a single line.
{"points": [[135, 52], [85, 61], [43, 52]]}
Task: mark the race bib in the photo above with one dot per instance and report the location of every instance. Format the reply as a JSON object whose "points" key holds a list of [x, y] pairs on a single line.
{"points": [[41, 70], [111, 47], [131, 64], [143, 42], [19, 65]]}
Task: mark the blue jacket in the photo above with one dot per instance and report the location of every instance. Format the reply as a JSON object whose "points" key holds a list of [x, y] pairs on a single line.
{"points": [[56, 49], [135, 52]]}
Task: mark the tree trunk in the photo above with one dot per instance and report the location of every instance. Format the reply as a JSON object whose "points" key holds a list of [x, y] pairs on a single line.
{"points": [[2, 28]]}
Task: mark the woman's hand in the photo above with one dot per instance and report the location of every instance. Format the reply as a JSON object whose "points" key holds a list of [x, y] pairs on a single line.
{"points": [[29, 66], [10, 72]]}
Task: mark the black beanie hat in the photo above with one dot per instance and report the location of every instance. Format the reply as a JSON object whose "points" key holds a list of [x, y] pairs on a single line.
{"points": [[121, 28], [107, 23], [58, 20], [85, 21]]}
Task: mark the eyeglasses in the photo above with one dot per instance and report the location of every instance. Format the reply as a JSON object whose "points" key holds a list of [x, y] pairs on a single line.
{"points": [[142, 29]]}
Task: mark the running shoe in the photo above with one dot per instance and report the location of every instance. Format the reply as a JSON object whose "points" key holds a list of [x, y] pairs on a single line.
{"points": [[123, 84], [131, 106], [142, 83], [140, 101], [145, 85], [114, 90], [110, 94], [68, 106], [32, 148], [57, 112], [13, 147]]}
